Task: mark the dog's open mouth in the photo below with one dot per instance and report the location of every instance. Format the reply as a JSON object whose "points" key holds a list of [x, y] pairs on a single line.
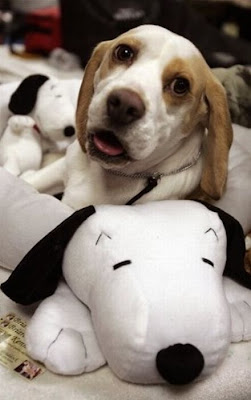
{"points": [[107, 143], [104, 145]]}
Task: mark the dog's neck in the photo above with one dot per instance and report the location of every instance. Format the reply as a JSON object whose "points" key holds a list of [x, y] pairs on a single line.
{"points": [[183, 157], [114, 189], [158, 174]]}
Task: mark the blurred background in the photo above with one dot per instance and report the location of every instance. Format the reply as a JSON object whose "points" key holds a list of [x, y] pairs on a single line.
{"points": [[64, 32]]}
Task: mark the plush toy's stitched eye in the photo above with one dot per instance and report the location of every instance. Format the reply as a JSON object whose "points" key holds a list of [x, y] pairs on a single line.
{"points": [[205, 260], [212, 230], [101, 234], [121, 264]]}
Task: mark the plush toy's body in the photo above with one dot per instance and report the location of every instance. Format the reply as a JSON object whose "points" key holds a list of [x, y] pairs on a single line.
{"points": [[152, 281], [143, 285], [20, 145]]}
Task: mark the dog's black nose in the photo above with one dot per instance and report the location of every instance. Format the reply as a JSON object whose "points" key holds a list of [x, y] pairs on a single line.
{"points": [[180, 364], [69, 131], [124, 106]]}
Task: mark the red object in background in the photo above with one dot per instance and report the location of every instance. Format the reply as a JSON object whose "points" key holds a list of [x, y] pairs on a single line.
{"points": [[43, 30]]}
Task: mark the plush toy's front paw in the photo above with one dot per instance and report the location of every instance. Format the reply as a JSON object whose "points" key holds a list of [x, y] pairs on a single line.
{"points": [[68, 353], [18, 122], [61, 335]]}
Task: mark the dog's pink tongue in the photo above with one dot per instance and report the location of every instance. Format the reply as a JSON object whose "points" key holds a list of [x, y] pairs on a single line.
{"points": [[108, 144]]}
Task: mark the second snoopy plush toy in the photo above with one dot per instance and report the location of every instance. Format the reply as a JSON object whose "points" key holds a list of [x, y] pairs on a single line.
{"points": [[139, 287], [38, 110]]}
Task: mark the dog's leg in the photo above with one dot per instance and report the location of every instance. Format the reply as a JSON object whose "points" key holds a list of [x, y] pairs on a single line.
{"points": [[49, 179], [61, 335]]}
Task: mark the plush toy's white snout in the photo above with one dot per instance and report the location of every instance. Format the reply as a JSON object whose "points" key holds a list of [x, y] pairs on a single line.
{"points": [[144, 292]]}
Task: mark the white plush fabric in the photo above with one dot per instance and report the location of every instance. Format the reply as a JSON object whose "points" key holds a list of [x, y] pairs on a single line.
{"points": [[149, 303], [53, 109], [45, 127], [231, 381], [142, 305], [20, 145], [19, 201]]}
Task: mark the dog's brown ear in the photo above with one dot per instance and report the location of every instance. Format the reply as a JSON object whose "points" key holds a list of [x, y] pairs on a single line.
{"points": [[219, 140], [87, 89]]}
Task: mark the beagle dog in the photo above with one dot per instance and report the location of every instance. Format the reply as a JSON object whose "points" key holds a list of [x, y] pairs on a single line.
{"points": [[149, 109]]}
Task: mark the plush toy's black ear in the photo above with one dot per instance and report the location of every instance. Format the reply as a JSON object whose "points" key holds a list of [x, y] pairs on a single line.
{"points": [[24, 98], [37, 275], [235, 247]]}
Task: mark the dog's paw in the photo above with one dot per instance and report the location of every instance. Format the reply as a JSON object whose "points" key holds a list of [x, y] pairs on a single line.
{"points": [[19, 122], [64, 351]]}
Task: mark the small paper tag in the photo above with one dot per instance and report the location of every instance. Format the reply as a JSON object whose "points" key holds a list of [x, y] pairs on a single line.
{"points": [[13, 353]]}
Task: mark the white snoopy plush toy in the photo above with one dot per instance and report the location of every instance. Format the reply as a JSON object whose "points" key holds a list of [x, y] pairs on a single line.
{"points": [[51, 105], [142, 288]]}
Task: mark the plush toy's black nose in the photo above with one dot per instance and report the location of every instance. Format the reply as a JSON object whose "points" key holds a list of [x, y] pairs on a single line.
{"points": [[124, 106], [69, 131], [180, 364]]}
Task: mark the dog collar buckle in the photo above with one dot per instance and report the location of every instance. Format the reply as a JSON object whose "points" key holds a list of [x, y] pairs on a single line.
{"points": [[152, 182], [155, 177]]}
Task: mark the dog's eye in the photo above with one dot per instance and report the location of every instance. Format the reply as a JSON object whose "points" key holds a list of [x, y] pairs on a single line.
{"points": [[123, 53], [180, 86]]}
